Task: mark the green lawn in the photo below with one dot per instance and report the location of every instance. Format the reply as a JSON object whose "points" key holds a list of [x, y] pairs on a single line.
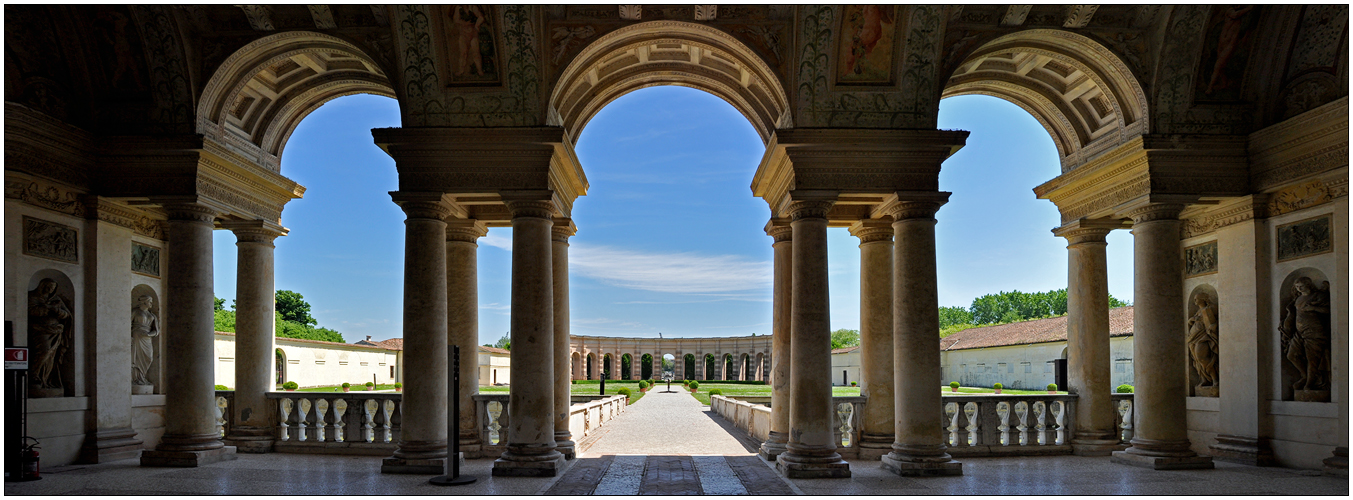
{"points": [[743, 390]]}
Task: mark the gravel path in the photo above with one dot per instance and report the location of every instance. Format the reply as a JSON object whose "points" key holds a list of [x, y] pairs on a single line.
{"points": [[669, 423]]}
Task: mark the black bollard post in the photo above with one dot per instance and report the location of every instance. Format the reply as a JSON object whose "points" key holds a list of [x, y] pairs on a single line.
{"points": [[603, 382], [453, 477]]}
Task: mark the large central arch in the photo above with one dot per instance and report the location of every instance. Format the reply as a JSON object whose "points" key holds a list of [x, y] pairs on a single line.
{"points": [[668, 53], [1082, 93]]}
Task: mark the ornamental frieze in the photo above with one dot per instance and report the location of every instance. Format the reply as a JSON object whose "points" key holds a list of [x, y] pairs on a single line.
{"points": [[44, 195]]}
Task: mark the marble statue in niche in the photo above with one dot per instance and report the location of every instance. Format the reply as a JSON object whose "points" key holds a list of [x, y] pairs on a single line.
{"points": [[145, 328], [50, 337], [1306, 339], [1202, 343]]}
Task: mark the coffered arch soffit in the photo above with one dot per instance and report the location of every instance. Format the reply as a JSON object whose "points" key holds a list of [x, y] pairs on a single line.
{"points": [[1082, 93], [668, 53], [258, 96]]}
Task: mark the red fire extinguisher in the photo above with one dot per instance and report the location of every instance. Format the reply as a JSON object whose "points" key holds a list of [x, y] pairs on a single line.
{"points": [[28, 461]]}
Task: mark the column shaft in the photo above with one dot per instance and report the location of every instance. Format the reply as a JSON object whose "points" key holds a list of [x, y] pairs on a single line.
{"points": [[811, 449], [190, 437], [462, 325], [1088, 354], [563, 438], [876, 336], [255, 299], [1161, 428], [919, 448], [530, 437]]}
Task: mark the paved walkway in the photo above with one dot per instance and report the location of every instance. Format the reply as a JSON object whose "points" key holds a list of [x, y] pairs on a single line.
{"points": [[670, 423]]}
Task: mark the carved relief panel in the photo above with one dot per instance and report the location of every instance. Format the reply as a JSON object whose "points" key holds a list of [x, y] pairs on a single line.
{"points": [[50, 240], [1200, 259], [1305, 238]]}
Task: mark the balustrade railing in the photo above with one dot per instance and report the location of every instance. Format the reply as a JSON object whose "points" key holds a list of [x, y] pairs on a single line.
{"points": [[1123, 416], [224, 400], [361, 422]]}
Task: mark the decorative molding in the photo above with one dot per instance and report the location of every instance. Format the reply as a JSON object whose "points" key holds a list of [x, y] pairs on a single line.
{"points": [[238, 199], [872, 231], [323, 17], [1155, 212], [260, 17], [706, 12], [50, 240], [1015, 15], [1253, 208], [45, 195], [810, 209], [780, 233], [1301, 196], [631, 12], [904, 210], [1079, 16], [531, 208], [381, 15], [1127, 190], [190, 212], [465, 230], [140, 223]]}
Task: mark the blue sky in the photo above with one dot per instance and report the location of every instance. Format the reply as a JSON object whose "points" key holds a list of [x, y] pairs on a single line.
{"points": [[669, 237]]}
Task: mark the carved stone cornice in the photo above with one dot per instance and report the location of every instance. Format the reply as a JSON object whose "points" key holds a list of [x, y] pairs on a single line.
{"points": [[422, 205], [254, 231], [809, 209], [873, 231], [140, 222], [465, 230], [1088, 231], [43, 146], [44, 194], [779, 230], [562, 229], [1310, 143], [1153, 212], [531, 209], [1228, 213], [190, 212], [904, 210]]}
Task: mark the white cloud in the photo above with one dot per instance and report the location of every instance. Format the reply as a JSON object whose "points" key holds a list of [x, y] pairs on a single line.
{"points": [[497, 240], [685, 272]]}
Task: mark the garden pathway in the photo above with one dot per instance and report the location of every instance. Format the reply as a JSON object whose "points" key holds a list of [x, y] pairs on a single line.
{"points": [[670, 423]]}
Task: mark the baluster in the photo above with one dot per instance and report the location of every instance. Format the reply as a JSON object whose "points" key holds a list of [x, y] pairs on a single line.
{"points": [[321, 410], [303, 410], [1003, 414], [370, 408], [387, 410], [1058, 410], [1125, 419], [970, 411], [286, 405], [1039, 420], [1022, 417], [221, 405], [951, 423], [340, 407], [496, 410], [844, 411]]}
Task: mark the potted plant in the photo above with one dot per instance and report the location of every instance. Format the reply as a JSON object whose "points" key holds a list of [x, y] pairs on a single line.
{"points": [[1124, 389], [695, 386], [997, 386], [399, 387], [854, 384], [346, 386], [370, 386], [953, 386], [1052, 388], [290, 386]]}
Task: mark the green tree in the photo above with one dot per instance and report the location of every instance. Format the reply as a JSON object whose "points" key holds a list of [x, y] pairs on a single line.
{"points": [[224, 320], [845, 338], [292, 329], [504, 343], [293, 307], [950, 316], [219, 304]]}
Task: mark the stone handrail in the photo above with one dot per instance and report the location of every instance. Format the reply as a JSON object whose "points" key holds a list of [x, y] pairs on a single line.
{"points": [[974, 425], [355, 422]]}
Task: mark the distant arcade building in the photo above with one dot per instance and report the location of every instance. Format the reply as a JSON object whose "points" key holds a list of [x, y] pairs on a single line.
{"points": [[632, 358]]}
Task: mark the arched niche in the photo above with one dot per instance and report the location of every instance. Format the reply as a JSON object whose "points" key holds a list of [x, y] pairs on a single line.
{"points": [[280, 372], [1202, 347], [54, 343], [1305, 334], [155, 372]]}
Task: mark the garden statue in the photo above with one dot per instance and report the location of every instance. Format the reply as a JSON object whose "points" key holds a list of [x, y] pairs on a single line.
{"points": [[50, 336], [145, 327], [1202, 342], [1306, 340]]}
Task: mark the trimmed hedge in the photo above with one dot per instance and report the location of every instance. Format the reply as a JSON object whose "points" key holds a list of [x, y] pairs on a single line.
{"points": [[625, 391], [715, 392], [1124, 389]]}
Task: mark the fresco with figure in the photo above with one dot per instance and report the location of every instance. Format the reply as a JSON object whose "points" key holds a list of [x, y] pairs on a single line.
{"points": [[867, 36]]}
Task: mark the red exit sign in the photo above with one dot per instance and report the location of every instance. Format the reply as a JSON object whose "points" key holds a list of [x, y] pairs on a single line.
{"points": [[16, 358]]}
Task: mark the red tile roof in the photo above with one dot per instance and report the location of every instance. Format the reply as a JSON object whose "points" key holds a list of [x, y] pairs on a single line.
{"points": [[1030, 332], [494, 350], [392, 344], [844, 350]]}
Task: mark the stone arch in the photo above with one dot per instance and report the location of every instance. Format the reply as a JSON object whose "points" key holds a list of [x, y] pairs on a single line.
{"points": [[668, 53], [688, 365], [646, 366], [710, 371], [626, 365], [1083, 94], [591, 366], [729, 367], [281, 369], [258, 96], [760, 366], [575, 365]]}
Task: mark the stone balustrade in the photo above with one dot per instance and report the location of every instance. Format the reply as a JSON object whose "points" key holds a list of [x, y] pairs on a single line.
{"points": [[974, 425]]}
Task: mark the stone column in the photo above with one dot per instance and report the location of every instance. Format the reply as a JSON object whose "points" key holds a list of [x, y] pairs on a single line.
{"points": [[462, 324], [780, 369], [530, 433], [1161, 439], [876, 336], [190, 438], [811, 449], [699, 367], [919, 448], [422, 444], [563, 439], [1088, 356], [255, 299]]}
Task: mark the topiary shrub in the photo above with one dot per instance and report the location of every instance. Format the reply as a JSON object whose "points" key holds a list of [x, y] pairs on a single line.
{"points": [[1124, 389], [399, 385], [643, 384], [953, 385], [220, 387], [997, 386], [695, 386], [715, 392], [290, 386], [346, 385], [624, 391], [1052, 387]]}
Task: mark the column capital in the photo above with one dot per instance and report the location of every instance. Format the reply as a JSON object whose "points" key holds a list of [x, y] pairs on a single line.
{"points": [[779, 229], [1154, 212], [1088, 230], [190, 212], [563, 228], [422, 205], [873, 230], [254, 231], [465, 230], [809, 209], [538, 209], [915, 204]]}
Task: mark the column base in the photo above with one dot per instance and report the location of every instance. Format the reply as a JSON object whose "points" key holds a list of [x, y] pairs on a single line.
{"points": [[1095, 447], [1162, 463], [820, 464], [772, 447], [110, 445], [565, 446], [162, 458], [1337, 465], [1242, 450], [910, 468], [544, 466]]}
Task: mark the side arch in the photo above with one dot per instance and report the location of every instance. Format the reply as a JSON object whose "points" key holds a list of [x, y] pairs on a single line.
{"points": [[258, 96], [1081, 92]]}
